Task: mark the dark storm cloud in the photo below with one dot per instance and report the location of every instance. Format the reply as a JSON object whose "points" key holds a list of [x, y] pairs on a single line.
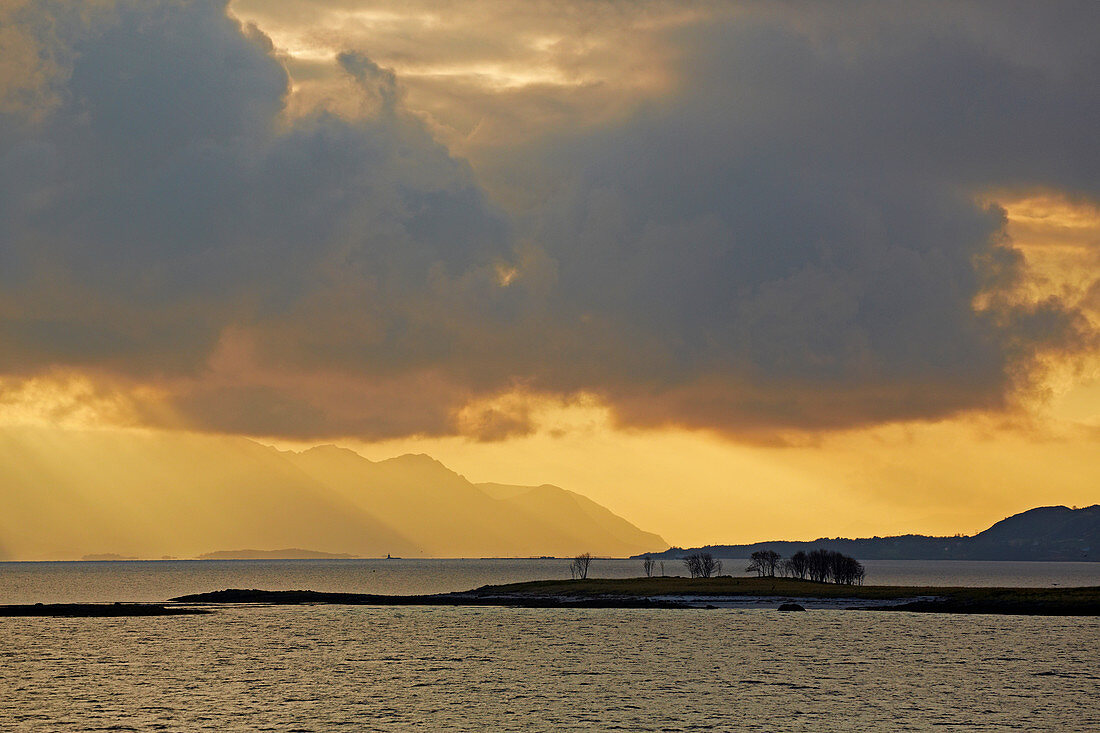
{"points": [[795, 239], [789, 239]]}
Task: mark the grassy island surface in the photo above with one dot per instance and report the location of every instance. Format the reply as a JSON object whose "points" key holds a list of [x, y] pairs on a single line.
{"points": [[676, 592]]}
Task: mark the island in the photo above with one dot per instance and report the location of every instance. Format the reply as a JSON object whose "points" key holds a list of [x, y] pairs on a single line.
{"points": [[718, 592]]}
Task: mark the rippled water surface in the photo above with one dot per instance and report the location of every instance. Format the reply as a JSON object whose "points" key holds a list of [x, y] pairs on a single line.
{"points": [[320, 668]]}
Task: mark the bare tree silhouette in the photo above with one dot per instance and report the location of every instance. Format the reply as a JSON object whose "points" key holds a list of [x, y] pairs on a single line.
{"points": [[795, 566], [579, 567], [702, 565], [828, 565], [647, 565], [764, 562]]}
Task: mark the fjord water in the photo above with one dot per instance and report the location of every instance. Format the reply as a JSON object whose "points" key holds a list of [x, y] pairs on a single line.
{"points": [[320, 668], [73, 582]]}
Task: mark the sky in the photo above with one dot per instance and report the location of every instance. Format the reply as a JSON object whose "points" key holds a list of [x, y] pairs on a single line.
{"points": [[738, 271]]}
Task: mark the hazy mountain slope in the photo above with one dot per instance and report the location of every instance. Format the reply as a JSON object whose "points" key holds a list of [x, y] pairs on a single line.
{"points": [[447, 514], [65, 494], [439, 507], [570, 512]]}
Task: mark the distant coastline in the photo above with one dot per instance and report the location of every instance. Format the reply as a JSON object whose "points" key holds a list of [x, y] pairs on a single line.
{"points": [[1043, 534], [292, 553], [287, 554], [1049, 534]]}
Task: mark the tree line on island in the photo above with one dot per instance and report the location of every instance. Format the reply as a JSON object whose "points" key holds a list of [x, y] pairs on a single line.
{"points": [[821, 566]]}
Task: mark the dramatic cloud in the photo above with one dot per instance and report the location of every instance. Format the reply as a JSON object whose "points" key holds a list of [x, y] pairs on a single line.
{"points": [[485, 73], [756, 219], [162, 223]]}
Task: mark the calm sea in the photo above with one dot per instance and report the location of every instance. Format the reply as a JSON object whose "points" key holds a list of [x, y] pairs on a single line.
{"points": [[321, 668]]}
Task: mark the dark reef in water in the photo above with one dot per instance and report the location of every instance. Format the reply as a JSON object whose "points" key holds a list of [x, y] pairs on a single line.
{"points": [[97, 610]]}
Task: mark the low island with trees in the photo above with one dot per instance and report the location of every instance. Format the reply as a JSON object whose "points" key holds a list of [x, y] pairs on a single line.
{"points": [[654, 592], [714, 592], [822, 577], [819, 576]]}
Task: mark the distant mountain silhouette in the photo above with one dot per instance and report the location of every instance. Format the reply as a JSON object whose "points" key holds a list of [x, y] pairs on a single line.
{"points": [[288, 554], [1045, 533], [447, 515], [71, 493]]}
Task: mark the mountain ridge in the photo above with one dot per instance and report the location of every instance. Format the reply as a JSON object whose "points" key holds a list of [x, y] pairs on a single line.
{"points": [[1051, 533]]}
